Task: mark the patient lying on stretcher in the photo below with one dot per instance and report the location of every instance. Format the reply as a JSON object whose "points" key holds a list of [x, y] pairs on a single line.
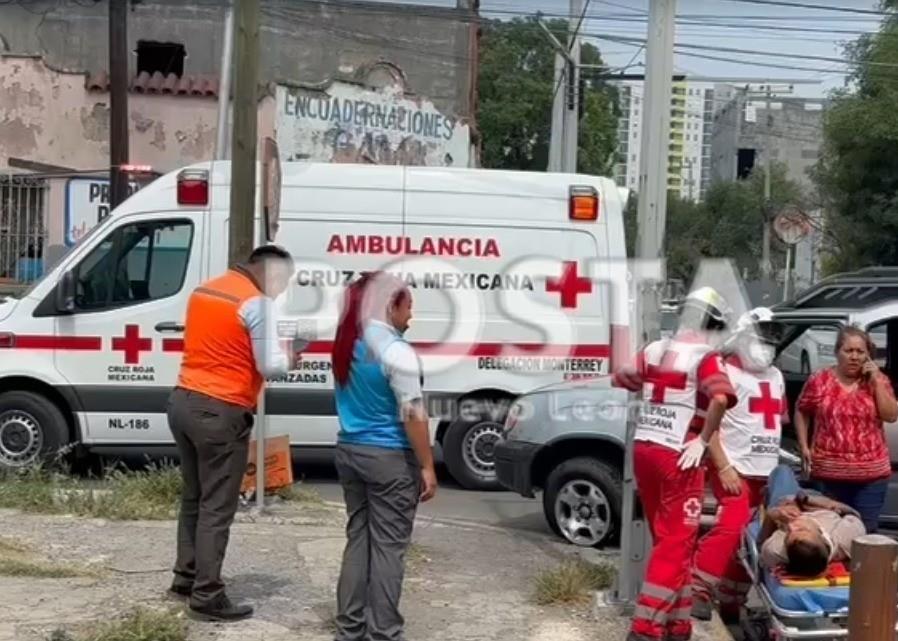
{"points": [[804, 531]]}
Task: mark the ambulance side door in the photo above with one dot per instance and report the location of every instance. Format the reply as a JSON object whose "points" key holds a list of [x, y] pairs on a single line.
{"points": [[130, 295]]}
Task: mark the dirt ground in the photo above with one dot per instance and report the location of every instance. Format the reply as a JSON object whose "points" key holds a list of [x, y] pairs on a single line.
{"points": [[463, 582]]}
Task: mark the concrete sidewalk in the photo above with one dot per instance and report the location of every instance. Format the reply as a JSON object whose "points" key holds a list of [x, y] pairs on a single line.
{"points": [[463, 583]]}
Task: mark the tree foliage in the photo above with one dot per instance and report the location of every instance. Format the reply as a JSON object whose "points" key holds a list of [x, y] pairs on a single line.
{"points": [[516, 86], [727, 224], [857, 174]]}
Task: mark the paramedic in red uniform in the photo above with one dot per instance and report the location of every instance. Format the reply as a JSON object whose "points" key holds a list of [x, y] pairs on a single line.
{"points": [[230, 343], [670, 442], [743, 454]]}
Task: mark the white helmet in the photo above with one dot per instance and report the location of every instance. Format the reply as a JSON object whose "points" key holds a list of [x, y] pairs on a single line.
{"points": [[755, 338], [704, 309]]}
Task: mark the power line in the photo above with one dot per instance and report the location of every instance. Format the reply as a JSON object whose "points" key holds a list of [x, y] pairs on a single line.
{"points": [[820, 7], [754, 52]]}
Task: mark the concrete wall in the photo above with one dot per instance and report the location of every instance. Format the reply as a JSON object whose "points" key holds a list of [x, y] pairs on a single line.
{"points": [[50, 117], [788, 129], [302, 42]]}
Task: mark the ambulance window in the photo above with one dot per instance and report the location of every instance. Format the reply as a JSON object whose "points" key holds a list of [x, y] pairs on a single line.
{"points": [[136, 263]]}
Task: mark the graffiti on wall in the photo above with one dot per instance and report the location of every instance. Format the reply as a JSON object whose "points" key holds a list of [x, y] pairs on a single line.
{"points": [[354, 123]]}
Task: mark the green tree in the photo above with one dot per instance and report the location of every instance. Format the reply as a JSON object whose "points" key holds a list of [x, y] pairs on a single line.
{"points": [[516, 87], [857, 175], [727, 224]]}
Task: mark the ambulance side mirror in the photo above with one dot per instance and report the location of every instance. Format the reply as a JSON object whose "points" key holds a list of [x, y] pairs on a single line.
{"points": [[65, 293]]}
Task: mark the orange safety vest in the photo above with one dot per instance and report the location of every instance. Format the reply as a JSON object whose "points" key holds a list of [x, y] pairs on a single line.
{"points": [[218, 353]]}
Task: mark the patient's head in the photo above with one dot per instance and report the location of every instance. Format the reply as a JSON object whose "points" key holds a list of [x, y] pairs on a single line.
{"points": [[806, 547]]}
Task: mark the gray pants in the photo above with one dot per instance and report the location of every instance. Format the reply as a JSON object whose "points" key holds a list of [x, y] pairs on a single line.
{"points": [[381, 489], [213, 441]]}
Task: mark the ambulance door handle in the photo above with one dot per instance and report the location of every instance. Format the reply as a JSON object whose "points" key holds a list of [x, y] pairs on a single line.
{"points": [[169, 326]]}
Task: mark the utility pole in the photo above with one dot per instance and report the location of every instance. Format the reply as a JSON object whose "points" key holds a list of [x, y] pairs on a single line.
{"points": [[654, 152], [572, 89], [118, 101], [766, 266], [635, 536], [224, 95], [556, 138], [243, 136], [563, 139]]}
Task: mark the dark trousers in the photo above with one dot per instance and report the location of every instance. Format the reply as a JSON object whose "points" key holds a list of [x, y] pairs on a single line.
{"points": [[213, 442], [381, 488], [867, 498]]}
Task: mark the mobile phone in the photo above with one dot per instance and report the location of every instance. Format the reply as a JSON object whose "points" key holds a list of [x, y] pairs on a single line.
{"points": [[867, 373]]}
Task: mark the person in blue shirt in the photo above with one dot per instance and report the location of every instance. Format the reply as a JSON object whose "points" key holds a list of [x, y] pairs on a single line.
{"points": [[384, 458]]}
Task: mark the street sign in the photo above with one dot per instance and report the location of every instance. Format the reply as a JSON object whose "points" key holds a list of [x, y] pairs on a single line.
{"points": [[791, 225]]}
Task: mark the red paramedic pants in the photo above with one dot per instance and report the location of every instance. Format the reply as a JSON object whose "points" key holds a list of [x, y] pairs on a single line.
{"points": [[672, 501], [718, 573]]}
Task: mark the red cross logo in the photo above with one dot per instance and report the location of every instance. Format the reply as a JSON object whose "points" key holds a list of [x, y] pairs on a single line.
{"points": [[132, 344], [692, 508], [570, 285], [767, 405], [663, 376]]}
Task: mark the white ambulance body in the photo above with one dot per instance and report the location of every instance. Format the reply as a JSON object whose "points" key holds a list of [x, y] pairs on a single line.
{"points": [[497, 262]]}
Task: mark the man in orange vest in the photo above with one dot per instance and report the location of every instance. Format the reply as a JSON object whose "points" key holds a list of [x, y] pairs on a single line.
{"points": [[230, 343]]}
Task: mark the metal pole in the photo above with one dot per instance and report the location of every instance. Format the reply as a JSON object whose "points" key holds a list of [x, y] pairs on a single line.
{"points": [[118, 101], [224, 96], [572, 91], [653, 163], [556, 137], [787, 275]]}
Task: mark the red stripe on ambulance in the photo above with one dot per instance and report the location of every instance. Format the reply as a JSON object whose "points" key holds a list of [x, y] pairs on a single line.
{"points": [[174, 345], [68, 343]]}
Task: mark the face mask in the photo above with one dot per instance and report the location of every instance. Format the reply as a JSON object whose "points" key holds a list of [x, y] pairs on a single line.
{"points": [[761, 355]]}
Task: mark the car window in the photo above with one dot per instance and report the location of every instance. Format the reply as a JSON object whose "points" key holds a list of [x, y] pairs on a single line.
{"points": [[811, 350], [136, 263], [879, 333]]}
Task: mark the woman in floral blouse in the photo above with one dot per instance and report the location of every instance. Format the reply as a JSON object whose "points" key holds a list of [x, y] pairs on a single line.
{"points": [[849, 457]]}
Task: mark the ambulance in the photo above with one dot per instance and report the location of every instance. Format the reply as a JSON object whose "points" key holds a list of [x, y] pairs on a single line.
{"points": [[518, 280]]}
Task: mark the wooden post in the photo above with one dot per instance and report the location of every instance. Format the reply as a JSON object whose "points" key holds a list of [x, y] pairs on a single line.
{"points": [[118, 101], [873, 600], [243, 137]]}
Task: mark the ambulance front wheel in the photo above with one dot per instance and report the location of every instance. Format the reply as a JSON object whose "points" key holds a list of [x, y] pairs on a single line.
{"points": [[32, 430], [582, 501]]}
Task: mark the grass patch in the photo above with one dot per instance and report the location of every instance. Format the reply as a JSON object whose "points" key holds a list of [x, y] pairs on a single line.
{"points": [[16, 559], [298, 494], [139, 625], [571, 582], [416, 556], [149, 494]]}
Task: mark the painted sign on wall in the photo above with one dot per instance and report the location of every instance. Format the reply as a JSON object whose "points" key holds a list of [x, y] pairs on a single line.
{"points": [[86, 204], [353, 123]]}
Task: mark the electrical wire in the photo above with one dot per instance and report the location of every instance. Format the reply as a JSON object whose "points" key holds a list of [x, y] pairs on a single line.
{"points": [[818, 7], [774, 54]]}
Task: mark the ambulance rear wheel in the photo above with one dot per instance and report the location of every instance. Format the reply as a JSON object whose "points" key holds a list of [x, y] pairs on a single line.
{"points": [[469, 451], [32, 430], [582, 501]]}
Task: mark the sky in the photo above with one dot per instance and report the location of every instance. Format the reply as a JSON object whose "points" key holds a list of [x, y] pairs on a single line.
{"points": [[782, 32]]}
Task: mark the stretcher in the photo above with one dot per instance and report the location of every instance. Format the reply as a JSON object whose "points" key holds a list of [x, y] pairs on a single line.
{"points": [[793, 608]]}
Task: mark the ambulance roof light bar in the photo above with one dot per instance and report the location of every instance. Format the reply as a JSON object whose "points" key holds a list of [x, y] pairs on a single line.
{"points": [[193, 187], [583, 203]]}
